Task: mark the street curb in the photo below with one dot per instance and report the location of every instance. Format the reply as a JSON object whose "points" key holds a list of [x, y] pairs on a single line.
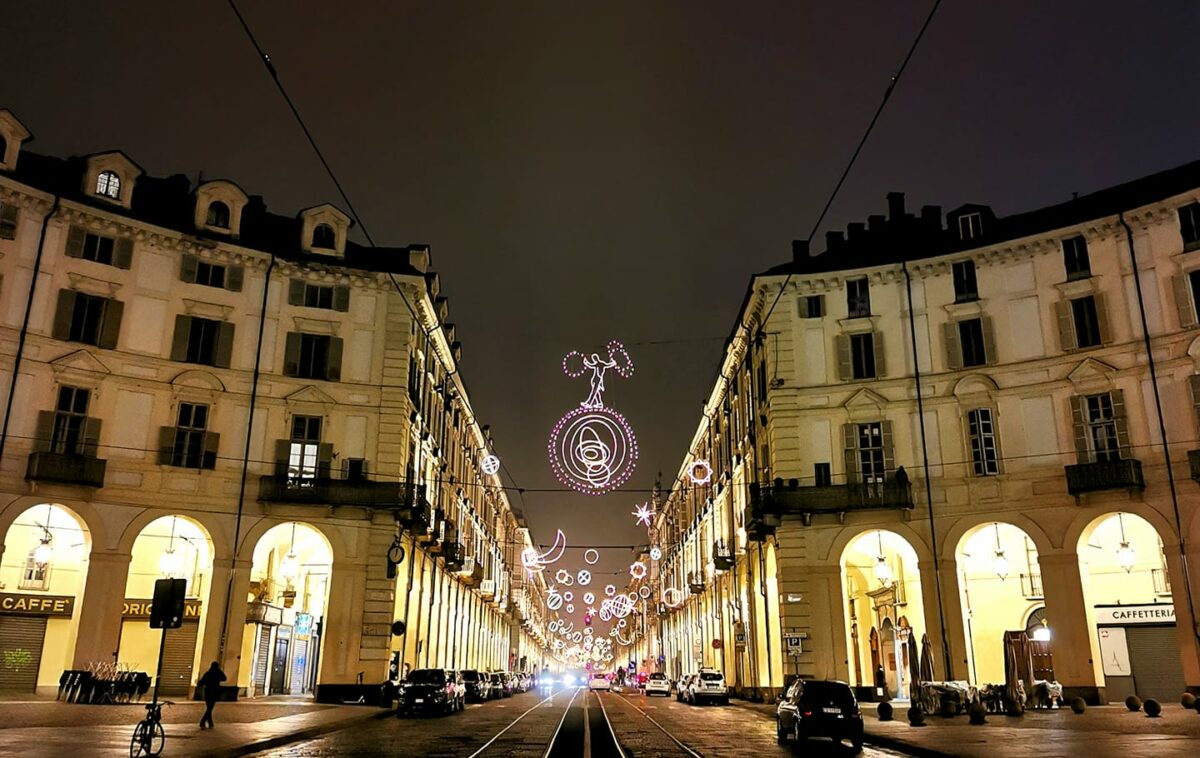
{"points": [[908, 748], [304, 734]]}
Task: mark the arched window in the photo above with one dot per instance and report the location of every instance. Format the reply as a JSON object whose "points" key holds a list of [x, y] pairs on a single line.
{"points": [[108, 184], [324, 237], [218, 215], [3, 148]]}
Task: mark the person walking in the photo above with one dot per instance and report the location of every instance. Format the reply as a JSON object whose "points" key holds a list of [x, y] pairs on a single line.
{"points": [[211, 682]]}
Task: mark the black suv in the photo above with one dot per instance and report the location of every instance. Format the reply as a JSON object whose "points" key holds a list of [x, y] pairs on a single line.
{"points": [[815, 708], [432, 690]]}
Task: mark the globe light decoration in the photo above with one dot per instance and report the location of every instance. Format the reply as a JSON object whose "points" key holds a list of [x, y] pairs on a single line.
{"points": [[655, 553], [589, 598], [554, 601], [700, 472], [584, 578], [490, 465], [592, 448]]}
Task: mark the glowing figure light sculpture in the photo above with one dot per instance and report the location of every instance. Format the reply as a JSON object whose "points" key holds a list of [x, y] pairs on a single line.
{"points": [[592, 448]]}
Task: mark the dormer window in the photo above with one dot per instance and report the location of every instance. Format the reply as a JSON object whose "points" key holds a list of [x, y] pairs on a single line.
{"points": [[108, 184], [324, 237], [3, 147], [970, 226], [218, 215]]}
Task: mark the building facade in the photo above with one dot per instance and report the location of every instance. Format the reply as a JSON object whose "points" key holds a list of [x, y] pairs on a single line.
{"points": [[198, 388], [952, 432]]}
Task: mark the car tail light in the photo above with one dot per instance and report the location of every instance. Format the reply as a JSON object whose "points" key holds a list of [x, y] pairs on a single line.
{"points": [[808, 713]]}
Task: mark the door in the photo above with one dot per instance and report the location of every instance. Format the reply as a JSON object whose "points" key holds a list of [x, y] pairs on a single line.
{"points": [[179, 655], [1042, 661], [279, 661], [21, 640], [1154, 660]]}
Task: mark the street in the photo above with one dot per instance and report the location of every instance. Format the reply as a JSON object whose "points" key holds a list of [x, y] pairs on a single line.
{"points": [[569, 722]]}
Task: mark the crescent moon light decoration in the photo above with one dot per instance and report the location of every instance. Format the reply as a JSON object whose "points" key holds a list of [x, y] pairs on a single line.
{"points": [[535, 561]]}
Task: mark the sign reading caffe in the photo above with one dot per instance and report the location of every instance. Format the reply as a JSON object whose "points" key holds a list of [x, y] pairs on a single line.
{"points": [[36, 605], [138, 608]]}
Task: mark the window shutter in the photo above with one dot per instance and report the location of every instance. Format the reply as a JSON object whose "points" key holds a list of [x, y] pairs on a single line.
{"points": [[283, 451], [341, 298], [1079, 422], [166, 445], [234, 275], [850, 450], [880, 356], [1183, 302], [75, 238], [179, 342], [333, 360], [110, 327], [889, 446], [223, 354], [324, 459], [1121, 422], [8, 221], [44, 431], [953, 345], [1102, 319], [62, 315], [989, 340], [291, 354], [1066, 325], [123, 253], [91, 437], [1194, 383], [842, 346], [212, 441], [187, 267], [296, 292], [996, 441]]}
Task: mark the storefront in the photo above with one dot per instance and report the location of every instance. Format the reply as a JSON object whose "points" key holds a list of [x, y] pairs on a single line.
{"points": [[1139, 651], [139, 644], [28, 623]]}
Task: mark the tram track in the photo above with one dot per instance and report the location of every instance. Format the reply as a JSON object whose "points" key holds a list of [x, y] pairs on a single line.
{"points": [[680, 745]]}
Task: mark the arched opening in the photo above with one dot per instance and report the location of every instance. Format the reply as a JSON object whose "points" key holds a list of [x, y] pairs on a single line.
{"points": [[173, 547], [43, 572], [218, 215], [1131, 611], [289, 594], [108, 184], [882, 586], [3, 148], [1000, 584], [324, 237]]}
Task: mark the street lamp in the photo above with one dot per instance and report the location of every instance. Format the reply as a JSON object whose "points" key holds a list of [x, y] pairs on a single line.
{"points": [[44, 551], [1125, 554], [883, 572], [1000, 562], [289, 567]]}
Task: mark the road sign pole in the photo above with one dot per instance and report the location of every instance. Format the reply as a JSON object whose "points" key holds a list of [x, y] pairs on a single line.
{"points": [[162, 645]]}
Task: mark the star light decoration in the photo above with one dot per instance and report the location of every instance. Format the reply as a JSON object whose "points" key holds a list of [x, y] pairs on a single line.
{"points": [[637, 570], [643, 514], [700, 472]]}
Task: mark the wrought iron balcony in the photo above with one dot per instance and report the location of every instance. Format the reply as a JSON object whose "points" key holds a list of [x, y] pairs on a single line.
{"points": [[276, 488], [1119, 474], [722, 556], [453, 554], [432, 538], [66, 469], [1031, 586], [471, 573], [487, 589], [696, 582], [1194, 464], [839, 499]]}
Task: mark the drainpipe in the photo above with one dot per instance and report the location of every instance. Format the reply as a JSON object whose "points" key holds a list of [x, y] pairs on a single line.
{"points": [[37, 267], [1162, 425], [762, 588], [948, 659]]}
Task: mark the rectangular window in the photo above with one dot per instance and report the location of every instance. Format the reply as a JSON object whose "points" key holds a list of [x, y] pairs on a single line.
{"points": [[314, 352], [965, 287], [326, 296], [304, 450], [1075, 258], [858, 298], [356, 469], [1194, 297], [1189, 226], [68, 436], [970, 226], [210, 274], [8, 221], [862, 356], [982, 432], [111, 251], [35, 577], [1101, 420], [190, 429], [98, 248], [870, 453], [1086, 320], [316, 296], [88, 319], [812, 306], [970, 340], [823, 475], [313, 356], [202, 341]]}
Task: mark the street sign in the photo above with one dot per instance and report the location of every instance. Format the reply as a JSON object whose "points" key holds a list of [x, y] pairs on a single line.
{"points": [[793, 643]]}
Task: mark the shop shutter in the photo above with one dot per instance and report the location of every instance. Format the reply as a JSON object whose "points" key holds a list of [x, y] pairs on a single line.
{"points": [[1066, 325], [1154, 658], [21, 640], [262, 658], [1183, 302], [233, 278], [299, 665], [110, 328], [188, 265], [179, 654], [953, 346]]}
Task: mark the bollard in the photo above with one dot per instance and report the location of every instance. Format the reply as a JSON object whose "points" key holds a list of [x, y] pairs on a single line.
{"points": [[1152, 707], [916, 716], [1133, 703], [884, 712], [1078, 705]]}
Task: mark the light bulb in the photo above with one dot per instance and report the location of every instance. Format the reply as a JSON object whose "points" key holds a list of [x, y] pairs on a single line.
{"points": [[1042, 633], [883, 572], [43, 552], [170, 563], [289, 567], [1000, 565], [1126, 556]]}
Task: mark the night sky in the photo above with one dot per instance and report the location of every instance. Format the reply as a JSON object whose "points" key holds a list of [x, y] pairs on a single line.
{"points": [[618, 172]]}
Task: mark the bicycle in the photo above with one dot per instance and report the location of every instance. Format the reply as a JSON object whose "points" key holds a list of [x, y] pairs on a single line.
{"points": [[148, 736]]}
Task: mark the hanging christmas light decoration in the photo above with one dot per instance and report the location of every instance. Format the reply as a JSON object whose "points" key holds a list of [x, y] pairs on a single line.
{"points": [[643, 514], [554, 601], [644, 592], [589, 598], [655, 553], [590, 556], [570, 607], [535, 561], [584, 578], [490, 465], [637, 570], [562, 576], [592, 448], [672, 597], [700, 472], [568, 596], [610, 590], [1000, 563]]}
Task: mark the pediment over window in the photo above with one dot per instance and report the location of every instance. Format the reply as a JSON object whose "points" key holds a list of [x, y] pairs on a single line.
{"points": [[866, 402], [81, 366], [323, 230], [974, 385], [1092, 374], [219, 206], [310, 395], [197, 380]]}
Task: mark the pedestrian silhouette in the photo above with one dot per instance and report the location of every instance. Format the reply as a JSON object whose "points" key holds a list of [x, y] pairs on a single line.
{"points": [[211, 682]]}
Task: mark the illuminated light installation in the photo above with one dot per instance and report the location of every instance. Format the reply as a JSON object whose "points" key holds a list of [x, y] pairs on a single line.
{"points": [[535, 561], [672, 597], [590, 556], [584, 578], [554, 601], [655, 553], [490, 465], [620, 638], [592, 448], [591, 611], [643, 514], [644, 592], [610, 590], [700, 472], [568, 596], [570, 607], [589, 598], [637, 570]]}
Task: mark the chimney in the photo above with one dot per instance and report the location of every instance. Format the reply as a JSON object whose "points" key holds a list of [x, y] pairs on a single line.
{"points": [[799, 251], [931, 217], [875, 222], [833, 240], [855, 232], [895, 206]]}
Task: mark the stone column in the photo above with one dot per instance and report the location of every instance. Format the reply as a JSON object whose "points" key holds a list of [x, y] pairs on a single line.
{"points": [[212, 648], [1187, 626], [341, 659], [100, 610], [827, 641], [1070, 621], [955, 633]]}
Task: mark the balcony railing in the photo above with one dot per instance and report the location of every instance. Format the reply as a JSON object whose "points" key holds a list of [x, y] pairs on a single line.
{"points": [[471, 573], [66, 469], [1120, 474], [722, 556], [696, 582], [1194, 464], [277, 488], [1162, 582], [1031, 587], [807, 501], [454, 556]]}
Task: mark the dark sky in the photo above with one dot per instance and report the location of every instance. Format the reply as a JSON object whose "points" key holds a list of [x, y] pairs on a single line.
{"points": [[617, 171]]}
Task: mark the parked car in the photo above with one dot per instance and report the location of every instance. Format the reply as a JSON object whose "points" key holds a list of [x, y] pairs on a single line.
{"points": [[500, 685], [598, 681], [818, 708], [707, 687], [524, 683], [478, 686], [681, 687], [658, 684], [432, 691]]}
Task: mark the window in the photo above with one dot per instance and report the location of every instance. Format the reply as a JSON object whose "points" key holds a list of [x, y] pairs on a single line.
{"points": [[210, 274], [1189, 226], [69, 432], [326, 296], [870, 453], [99, 248], [191, 444], [858, 298], [965, 288], [812, 306], [982, 433], [202, 340], [970, 226], [324, 237], [1075, 258], [304, 450], [1087, 322], [862, 356], [1101, 427], [88, 319], [970, 340], [222, 276], [313, 356], [35, 576], [8, 219], [356, 469], [823, 475], [108, 184], [218, 215]]}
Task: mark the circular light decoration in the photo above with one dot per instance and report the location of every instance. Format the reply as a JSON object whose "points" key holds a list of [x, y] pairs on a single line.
{"points": [[568, 596], [562, 576], [622, 606], [592, 448], [589, 598], [644, 592], [672, 597], [570, 607], [584, 578], [535, 561], [637, 570], [554, 601], [621, 624], [606, 614], [490, 465], [610, 590], [633, 597], [655, 553], [700, 472], [590, 556]]}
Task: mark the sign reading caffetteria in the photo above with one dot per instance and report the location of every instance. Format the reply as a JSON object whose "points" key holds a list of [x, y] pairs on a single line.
{"points": [[36, 605], [1157, 613], [138, 608]]}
